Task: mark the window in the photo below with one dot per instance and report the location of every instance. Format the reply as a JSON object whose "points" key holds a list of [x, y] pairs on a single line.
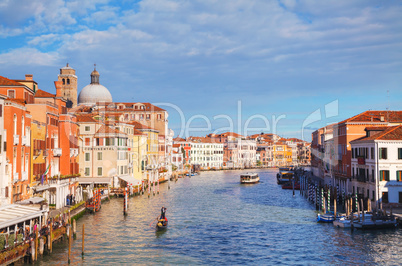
{"points": [[1, 110], [64, 82], [87, 157], [372, 153], [87, 141], [99, 156], [11, 94], [15, 124], [86, 171], [148, 117], [399, 176], [400, 197], [399, 153], [87, 128], [385, 197], [384, 175], [383, 153], [99, 171], [68, 81]]}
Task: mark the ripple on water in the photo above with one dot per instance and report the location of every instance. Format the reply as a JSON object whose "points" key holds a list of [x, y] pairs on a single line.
{"points": [[213, 220]]}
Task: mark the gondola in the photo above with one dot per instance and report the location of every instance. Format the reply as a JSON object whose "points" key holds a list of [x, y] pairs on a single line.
{"points": [[161, 224]]}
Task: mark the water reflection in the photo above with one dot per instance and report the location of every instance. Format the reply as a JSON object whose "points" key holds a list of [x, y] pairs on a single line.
{"points": [[215, 220]]}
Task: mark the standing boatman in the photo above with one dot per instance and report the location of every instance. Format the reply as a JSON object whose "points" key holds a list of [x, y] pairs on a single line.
{"points": [[163, 212]]}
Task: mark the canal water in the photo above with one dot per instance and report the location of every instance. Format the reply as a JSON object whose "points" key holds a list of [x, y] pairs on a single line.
{"points": [[213, 220]]}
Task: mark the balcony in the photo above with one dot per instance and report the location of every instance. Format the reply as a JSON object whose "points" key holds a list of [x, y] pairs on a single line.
{"points": [[57, 152], [16, 177], [73, 152], [24, 176], [362, 178], [16, 139], [24, 140]]}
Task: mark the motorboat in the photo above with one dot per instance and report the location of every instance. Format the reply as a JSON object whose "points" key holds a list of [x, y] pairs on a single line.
{"points": [[249, 178], [285, 175], [325, 218]]}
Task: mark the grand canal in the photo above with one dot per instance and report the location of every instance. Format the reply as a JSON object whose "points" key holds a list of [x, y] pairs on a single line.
{"points": [[215, 220]]}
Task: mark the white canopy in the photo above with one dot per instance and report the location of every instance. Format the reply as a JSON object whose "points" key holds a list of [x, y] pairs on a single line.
{"points": [[13, 214], [95, 180], [131, 180]]}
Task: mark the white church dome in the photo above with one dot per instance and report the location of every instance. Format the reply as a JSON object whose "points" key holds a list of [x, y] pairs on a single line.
{"points": [[94, 92]]}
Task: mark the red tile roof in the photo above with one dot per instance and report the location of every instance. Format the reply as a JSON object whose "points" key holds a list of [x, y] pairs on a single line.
{"points": [[85, 118], [375, 116], [226, 134], [44, 94], [19, 101], [108, 130], [9, 82], [138, 125], [390, 133], [137, 132]]}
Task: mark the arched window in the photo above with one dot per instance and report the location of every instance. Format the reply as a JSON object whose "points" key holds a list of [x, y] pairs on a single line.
{"points": [[68, 81], [23, 126], [64, 82], [15, 124]]}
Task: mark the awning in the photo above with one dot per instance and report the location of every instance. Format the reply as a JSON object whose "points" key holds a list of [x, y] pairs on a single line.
{"points": [[34, 200], [13, 214], [131, 180], [95, 180], [41, 188]]}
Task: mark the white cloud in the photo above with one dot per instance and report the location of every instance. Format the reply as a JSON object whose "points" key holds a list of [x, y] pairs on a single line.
{"points": [[263, 49], [29, 56]]}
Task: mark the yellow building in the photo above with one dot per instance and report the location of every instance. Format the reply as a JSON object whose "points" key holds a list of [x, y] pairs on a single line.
{"points": [[151, 162]]}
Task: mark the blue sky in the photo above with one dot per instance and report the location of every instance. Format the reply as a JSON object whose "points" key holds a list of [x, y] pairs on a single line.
{"points": [[284, 58]]}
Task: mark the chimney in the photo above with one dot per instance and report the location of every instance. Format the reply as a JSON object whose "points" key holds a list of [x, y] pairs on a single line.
{"points": [[28, 77], [58, 85]]}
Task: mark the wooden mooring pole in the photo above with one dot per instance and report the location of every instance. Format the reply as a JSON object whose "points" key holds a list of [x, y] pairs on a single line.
{"points": [[83, 238], [74, 229], [69, 244]]}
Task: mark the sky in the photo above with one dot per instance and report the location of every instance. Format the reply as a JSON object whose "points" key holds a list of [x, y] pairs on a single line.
{"points": [[286, 67]]}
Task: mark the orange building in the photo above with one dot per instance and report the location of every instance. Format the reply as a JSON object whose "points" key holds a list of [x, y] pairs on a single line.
{"points": [[17, 141], [18, 152]]}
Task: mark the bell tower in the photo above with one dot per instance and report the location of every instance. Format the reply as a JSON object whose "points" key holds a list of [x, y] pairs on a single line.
{"points": [[69, 85]]}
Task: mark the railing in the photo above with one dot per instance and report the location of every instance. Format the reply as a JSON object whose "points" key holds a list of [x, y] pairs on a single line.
{"points": [[16, 177], [24, 140], [24, 176], [57, 152], [73, 152], [362, 178], [16, 139]]}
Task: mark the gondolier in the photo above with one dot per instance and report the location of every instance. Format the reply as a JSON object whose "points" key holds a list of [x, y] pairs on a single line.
{"points": [[163, 212]]}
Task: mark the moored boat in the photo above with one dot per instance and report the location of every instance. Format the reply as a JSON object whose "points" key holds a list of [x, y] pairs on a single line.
{"points": [[370, 224], [289, 185], [345, 222], [249, 178], [285, 175], [325, 218]]}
